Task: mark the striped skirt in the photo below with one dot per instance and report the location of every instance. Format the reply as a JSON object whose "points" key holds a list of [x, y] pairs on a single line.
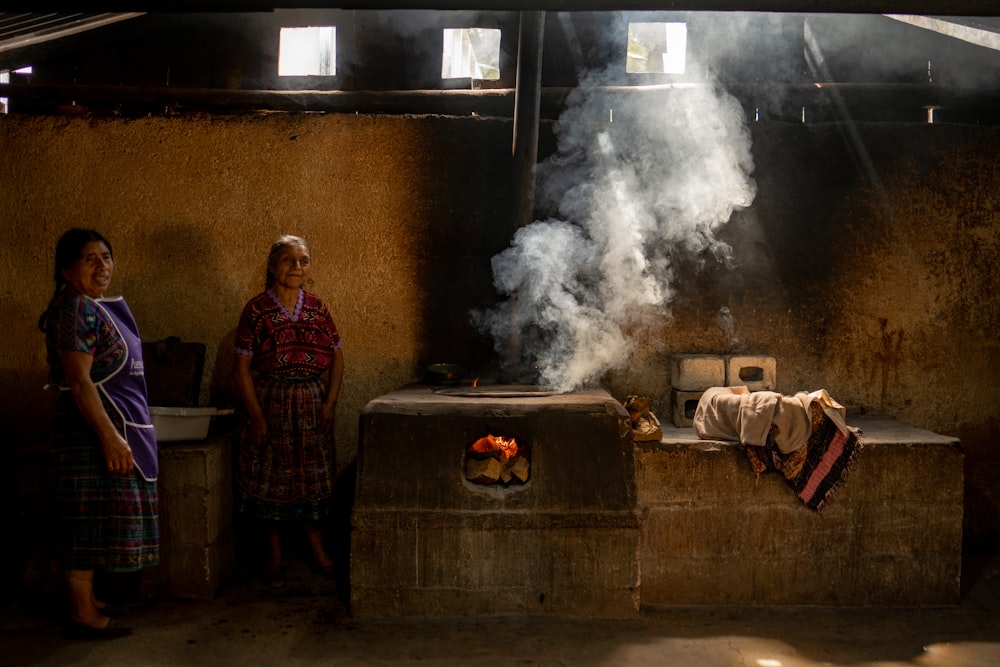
{"points": [[106, 522], [290, 476]]}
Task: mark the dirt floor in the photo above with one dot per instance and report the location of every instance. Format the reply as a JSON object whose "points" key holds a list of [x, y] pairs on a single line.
{"points": [[308, 624]]}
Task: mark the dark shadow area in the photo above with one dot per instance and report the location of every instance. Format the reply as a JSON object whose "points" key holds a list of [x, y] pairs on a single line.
{"points": [[455, 273]]}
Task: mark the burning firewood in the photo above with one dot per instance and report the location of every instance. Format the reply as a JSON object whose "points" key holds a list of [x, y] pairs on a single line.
{"points": [[483, 471], [516, 467], [492, 459], [495, 445], [520, 468]]}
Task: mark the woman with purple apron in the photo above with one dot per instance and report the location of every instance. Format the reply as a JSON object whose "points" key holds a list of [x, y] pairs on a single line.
{"points": [[125, 390], [104, 455]]}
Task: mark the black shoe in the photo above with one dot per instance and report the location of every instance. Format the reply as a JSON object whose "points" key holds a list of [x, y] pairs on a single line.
{"points": [[112, 630]]}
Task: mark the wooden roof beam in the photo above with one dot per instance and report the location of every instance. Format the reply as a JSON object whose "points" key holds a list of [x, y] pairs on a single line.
{"points": [[922, 7]]}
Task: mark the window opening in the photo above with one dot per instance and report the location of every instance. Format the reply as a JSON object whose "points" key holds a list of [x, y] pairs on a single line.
{"points": [[471, 53], [308, 51], [5, 79], [656, 48]]}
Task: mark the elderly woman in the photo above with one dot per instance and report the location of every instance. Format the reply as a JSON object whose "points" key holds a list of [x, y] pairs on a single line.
{"points": [[288, 371], [104, 457]]}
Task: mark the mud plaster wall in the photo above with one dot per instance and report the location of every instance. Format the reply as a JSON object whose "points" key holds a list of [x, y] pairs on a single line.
{"points": [[866, 265], [193, 205]]}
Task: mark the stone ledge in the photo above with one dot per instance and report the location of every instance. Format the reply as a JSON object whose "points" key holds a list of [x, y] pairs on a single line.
{"points": [[712, 533]]}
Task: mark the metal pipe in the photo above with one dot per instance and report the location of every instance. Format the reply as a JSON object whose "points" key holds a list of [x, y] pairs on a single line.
{"points": [[527, 104]]}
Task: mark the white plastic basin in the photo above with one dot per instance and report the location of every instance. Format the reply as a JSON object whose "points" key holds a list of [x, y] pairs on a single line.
{"points": [[173, 424]]}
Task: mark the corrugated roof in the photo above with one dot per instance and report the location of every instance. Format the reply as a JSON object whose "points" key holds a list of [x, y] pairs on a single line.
{"points": [[18, 30]]}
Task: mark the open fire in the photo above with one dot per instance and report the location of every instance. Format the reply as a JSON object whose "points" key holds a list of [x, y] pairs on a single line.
{"points": [[495, 459]]}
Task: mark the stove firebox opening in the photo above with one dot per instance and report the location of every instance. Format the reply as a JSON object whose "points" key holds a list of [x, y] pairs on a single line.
{"points": [[500, 460]]}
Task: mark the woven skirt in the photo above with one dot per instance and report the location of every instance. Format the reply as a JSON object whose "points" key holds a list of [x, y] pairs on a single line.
{"points": [[107, 522], [290, 476]]}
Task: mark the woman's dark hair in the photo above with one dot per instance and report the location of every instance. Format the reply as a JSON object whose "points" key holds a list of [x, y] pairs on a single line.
{"points": [[68, 250]]}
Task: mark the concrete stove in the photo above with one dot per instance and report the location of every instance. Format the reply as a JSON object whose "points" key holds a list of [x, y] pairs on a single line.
{"points": [[427, 541]]}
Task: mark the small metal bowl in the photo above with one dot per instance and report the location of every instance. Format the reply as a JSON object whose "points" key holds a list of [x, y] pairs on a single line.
{"points": [[443, 374]]}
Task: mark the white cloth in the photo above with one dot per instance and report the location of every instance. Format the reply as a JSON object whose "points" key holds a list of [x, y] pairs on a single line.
{"points": [[736, 413]]}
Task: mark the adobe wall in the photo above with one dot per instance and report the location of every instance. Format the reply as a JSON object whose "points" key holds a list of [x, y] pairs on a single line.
{"points": [[393, 208], [866, 265]]}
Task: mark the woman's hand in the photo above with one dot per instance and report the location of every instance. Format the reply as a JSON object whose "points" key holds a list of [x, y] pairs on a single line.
{"points": [[248, 397], [329, 407], [118, 455], [328, 416], [258, 430]]}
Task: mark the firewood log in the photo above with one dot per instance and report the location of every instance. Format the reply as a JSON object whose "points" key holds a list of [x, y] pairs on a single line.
{"points": [[520, 468], [483, 471]]}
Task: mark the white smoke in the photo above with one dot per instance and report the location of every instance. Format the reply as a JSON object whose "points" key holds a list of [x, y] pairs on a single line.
{"points": [[634, 187]]}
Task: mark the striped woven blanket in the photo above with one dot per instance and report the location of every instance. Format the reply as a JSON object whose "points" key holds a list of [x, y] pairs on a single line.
{"points": [[816, 470]]}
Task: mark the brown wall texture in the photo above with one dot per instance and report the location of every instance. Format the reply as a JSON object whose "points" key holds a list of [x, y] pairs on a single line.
{"points": [[866, 265]]}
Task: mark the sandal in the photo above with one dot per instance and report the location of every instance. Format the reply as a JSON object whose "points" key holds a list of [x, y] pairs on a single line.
{"points": [[276, 580]]}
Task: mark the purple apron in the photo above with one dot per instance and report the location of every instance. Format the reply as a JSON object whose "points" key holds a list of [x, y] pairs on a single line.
{"points": [[125, 388]]}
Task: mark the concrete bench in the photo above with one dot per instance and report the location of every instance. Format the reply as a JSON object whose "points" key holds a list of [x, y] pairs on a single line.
{"points": [[712, 533]]}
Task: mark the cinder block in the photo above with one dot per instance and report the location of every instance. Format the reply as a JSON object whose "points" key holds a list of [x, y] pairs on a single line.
{"points": [[195, 516], [197, 550], [697, 372], [190, 572], [196, 491], [198, 465], [683, 405], [757, 372]]}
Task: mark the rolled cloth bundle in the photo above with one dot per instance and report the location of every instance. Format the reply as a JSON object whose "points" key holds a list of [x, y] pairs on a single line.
{"points": [[736, 413]]}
